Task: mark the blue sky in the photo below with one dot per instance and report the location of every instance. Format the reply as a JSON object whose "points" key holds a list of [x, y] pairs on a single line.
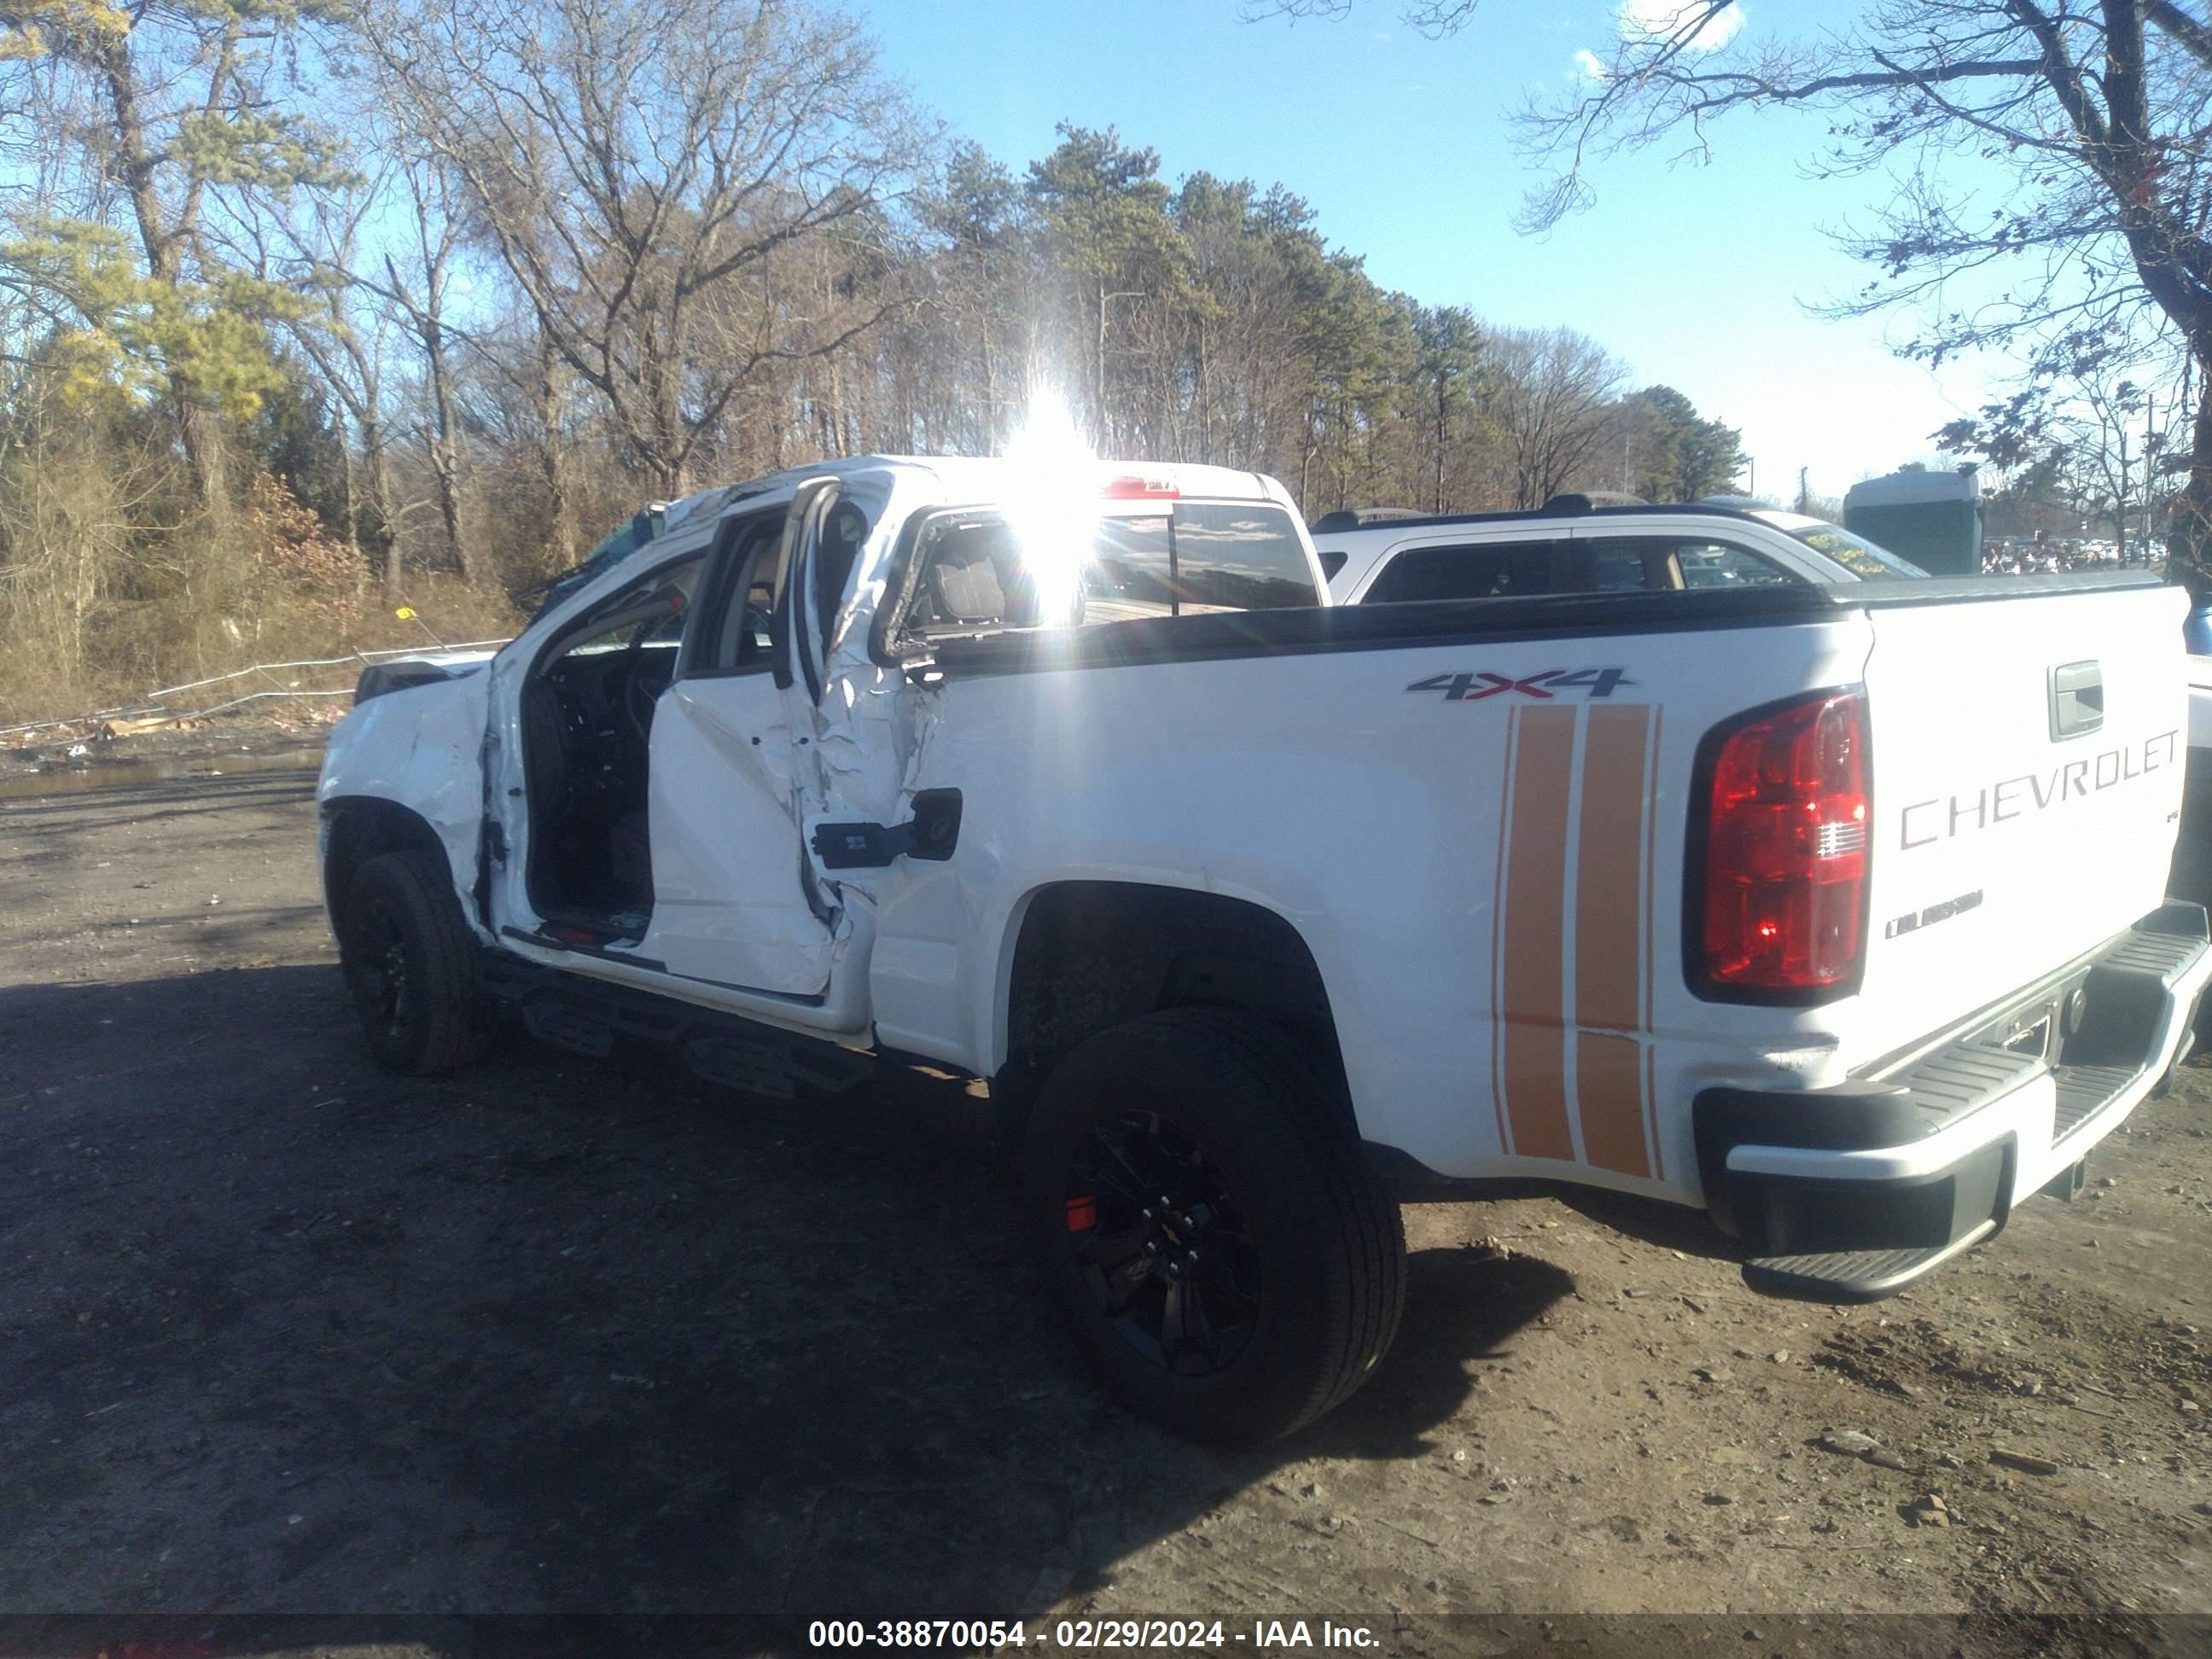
{"points": [[1694, 275]]}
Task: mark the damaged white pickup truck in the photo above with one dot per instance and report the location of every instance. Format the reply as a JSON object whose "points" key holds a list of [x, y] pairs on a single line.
{"points": [[1836, 908]]}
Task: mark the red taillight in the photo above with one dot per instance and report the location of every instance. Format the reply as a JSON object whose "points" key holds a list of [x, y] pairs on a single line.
{"points": [[1785, 859], [1134, 487]]}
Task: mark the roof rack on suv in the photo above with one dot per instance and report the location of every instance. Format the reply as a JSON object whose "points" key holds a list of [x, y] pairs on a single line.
{"points": [[1559, 507], [1353, 518], [1590, 500]]}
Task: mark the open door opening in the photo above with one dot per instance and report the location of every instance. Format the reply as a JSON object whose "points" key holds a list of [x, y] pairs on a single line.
{"points": [[586, 714]]}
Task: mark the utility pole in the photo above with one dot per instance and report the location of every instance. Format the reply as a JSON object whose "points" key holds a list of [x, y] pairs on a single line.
{"points": [[1804, 496]]}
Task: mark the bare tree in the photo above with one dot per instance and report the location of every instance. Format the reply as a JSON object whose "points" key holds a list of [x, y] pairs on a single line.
{"points": [[1434, 18], [2106, 446], [314, 244], [2110, 461], [1551, 393], [548, 386], [2098, 107], [418, 285], [631, 160]]}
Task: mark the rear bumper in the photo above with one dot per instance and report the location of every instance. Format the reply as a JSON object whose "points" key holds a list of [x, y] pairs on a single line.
{"points": [[1851, 1193]]}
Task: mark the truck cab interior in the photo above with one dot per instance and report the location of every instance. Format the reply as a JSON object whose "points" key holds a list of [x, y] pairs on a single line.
{"points": [[587, 722], [586, 711]]}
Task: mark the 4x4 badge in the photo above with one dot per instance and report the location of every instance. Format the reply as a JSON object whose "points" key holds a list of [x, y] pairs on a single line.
{"points": [[1473, 688]]}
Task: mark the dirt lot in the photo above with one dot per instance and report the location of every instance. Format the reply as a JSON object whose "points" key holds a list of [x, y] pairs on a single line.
{"points": [[278, 1333]]}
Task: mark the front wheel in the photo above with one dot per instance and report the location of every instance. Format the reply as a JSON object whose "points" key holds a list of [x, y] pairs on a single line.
{"points": [[1206, 1221], [410, 963]]}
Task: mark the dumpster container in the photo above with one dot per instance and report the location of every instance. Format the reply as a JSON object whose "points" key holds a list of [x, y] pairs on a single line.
{"points": [[1933, 518]]}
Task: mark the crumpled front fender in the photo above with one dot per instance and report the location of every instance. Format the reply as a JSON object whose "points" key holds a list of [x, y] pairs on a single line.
{"points": [[419, 748]]}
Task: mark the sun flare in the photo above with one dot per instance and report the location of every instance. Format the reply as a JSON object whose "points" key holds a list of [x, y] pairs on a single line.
{"points": [[1052, 501]]}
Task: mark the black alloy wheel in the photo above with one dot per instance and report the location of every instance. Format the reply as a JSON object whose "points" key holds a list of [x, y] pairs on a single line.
{"points": [[410, 963], [1203, 1215], [1160, 1242], [375, 955]]}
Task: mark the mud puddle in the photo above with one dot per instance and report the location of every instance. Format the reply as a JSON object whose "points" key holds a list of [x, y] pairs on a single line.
{"points": [[68, 779]]}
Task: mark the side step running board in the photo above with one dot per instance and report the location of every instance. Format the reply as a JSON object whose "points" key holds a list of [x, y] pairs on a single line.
{"points": [[585, 1017], [774, 1064], [1853, 1275]]}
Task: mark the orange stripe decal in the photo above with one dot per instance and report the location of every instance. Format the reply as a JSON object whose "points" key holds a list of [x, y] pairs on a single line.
{"points": [[1650, 1096], [1651, 947], [1533, 898], [1608, 945], [1497, 939], [1609, 1090], [1608, 898]]}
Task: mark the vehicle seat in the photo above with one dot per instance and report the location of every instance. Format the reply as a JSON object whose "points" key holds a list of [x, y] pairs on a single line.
{"points": [[985, 583], [963, 585]]}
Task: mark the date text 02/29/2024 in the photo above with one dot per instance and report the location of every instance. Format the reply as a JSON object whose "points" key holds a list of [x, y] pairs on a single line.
{"points": [[1089, 1635]]}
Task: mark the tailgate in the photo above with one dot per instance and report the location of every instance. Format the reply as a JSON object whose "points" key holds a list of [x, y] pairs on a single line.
{"points": [[2028, 751]]}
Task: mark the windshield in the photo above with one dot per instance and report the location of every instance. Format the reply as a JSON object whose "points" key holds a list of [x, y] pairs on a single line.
{"points": [[1855, 553], [619, 544]]}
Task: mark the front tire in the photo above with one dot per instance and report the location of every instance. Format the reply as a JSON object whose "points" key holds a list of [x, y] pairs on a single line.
{"points": [[1204, 1217], [410, 963]]}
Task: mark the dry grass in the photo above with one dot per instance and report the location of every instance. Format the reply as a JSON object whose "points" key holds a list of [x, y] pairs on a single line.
{"points": [[32, 687], [99, 604]]}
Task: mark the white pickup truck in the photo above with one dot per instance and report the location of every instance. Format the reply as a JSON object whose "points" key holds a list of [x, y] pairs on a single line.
{"points": [[1838, 909]]}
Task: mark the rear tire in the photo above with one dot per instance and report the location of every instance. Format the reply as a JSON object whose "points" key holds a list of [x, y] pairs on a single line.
{"points": [[1267, 1287], [410, 963]]}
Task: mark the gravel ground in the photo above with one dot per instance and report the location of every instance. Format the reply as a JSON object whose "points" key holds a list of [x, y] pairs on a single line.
{"points": [[280, 1333]]}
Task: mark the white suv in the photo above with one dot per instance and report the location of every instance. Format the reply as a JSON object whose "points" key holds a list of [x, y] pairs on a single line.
{"points": [[1574, 545]]}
